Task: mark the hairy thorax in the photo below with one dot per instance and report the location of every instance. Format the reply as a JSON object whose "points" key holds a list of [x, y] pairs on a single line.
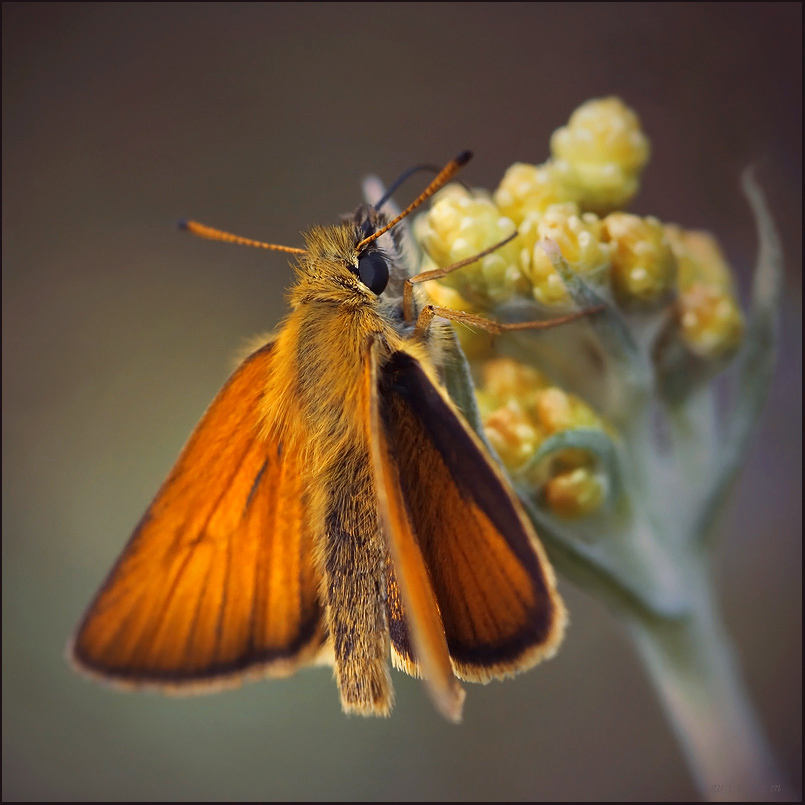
{"points": [[323, 349]]}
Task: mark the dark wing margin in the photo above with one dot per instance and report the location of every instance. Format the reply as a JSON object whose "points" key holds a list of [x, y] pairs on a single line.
{"points": [[217, 582], [493, 583]]}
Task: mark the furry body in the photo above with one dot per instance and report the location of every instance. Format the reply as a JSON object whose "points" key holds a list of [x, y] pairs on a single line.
{"points": [[325, 345]]}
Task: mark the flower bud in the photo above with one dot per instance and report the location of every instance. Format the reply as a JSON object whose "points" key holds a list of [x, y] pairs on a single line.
{"points": [[461, 224], [643, 264], [579, 238], [529, 189], [600, 154]]}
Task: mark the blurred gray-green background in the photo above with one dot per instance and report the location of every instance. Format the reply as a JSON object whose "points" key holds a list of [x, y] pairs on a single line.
{"points": [[118, 330]]}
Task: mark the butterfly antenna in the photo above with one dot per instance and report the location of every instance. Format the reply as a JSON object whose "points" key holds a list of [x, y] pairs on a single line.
{"points": [[208, 232], [395, 185], [439, 181]]}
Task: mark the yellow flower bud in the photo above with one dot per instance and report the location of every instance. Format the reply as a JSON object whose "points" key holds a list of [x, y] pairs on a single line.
{"points": [[554, 410], [699, 258], [513, 435], [643, 264], [519, 411], [575, 493], [528, 189], [507, 379], [460, 224], [578, 237], [600, 154], [710, 320]]}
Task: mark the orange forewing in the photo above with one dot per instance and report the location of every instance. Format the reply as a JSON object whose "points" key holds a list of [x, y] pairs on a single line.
{"points": [[218, 578], [493, 584]]}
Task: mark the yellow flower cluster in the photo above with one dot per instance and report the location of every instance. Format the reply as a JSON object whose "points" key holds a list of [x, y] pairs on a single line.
{"points": [[597, 156], [709, 318], [519, 410], [597, 159]]}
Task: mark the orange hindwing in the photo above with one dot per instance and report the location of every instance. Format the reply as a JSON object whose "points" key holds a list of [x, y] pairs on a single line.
{"points": [[492, 582]]}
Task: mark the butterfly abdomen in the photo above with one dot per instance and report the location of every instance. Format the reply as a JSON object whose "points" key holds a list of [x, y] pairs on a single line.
{"points": [[328, 344], [351, 554]]}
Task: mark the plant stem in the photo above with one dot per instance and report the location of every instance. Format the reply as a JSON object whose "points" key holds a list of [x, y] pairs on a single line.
{"points": [[694, 670]]}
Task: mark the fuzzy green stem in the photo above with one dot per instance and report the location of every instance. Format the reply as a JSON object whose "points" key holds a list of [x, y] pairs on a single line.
{"points": [[694, 670]]}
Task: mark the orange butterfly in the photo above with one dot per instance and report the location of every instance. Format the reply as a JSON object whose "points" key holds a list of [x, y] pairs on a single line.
{"points": [[333, 500]]}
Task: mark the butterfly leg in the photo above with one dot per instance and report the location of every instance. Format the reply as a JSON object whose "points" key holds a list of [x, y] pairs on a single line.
{"points": [[494, 327], [438, 273]]}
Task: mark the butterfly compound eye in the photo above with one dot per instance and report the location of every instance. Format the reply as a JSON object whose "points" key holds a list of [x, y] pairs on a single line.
{"points": [[374, 272]]}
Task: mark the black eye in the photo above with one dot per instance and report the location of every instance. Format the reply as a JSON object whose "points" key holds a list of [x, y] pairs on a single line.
{"points": [[374, 272]]}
